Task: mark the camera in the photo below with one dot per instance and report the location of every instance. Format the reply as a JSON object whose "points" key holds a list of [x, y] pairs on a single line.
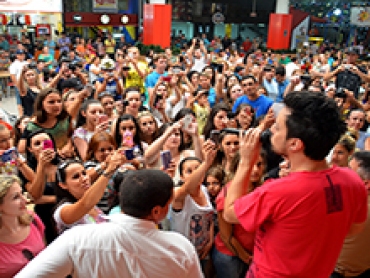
{"points": [[32, 65], [72, 66], [340, 93]]}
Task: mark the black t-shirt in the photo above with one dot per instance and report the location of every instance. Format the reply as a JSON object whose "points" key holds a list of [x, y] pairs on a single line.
{"points": [[349, 80]]}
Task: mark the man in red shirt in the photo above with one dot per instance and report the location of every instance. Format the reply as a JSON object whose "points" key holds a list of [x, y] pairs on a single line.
{"points": [[300, 220], [247, 44]]}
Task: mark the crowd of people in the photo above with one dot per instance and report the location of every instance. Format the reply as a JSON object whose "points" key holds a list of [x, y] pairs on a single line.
{"points": [[221, 161]]}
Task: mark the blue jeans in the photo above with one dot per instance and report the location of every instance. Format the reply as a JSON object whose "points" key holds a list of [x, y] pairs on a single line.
{"points": [[17, 96], [228, 266]]}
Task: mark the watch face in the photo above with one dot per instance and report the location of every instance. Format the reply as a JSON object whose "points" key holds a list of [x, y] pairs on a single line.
{"points": [[104, 19]]}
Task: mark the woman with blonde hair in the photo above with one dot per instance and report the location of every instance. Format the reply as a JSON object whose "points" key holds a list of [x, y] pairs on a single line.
{"points": [[21, 232], [29, 87]]}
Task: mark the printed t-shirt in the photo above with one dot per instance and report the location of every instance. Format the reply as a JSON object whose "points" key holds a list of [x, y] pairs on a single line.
{"points": [[301, 221]]}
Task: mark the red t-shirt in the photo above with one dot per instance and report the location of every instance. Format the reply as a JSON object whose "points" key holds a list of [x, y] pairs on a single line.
{"points": [[245, 238], [301, 221], [12, 257]]}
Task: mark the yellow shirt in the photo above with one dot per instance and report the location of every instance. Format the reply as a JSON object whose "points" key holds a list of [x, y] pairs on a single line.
{"points": [[133, 77], [201, 115], [109, 46]]}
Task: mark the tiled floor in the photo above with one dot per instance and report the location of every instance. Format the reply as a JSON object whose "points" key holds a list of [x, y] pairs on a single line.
{"points": [[9, 104]]}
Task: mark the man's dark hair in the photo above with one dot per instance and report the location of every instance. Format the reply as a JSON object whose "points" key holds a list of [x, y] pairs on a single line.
{"points": [[316, 120], [280, 70], [143, 190], [363, 160], [248, 77]]}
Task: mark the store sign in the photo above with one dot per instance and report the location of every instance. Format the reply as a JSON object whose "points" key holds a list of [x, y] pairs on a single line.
{"points": [[105, 6], [45, 6], [360, 16]]}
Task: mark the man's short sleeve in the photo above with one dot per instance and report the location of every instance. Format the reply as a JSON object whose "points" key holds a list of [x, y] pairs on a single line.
{"points": [[253, 209]]}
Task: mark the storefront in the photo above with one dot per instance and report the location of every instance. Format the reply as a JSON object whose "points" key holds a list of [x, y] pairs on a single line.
{"points": [[89, 17], [35, 17]]}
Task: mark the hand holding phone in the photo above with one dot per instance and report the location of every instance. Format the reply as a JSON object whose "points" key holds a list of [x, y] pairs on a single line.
{"points": [[103, 118], [166, 78], [215, 136], [47, 144], [129, 153], [188, 119], [166, 159], [9, 155], [128, 139]]}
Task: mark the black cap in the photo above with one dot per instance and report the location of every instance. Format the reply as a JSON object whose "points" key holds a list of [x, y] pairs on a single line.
{"points": [[71, 83], [20, 51]]}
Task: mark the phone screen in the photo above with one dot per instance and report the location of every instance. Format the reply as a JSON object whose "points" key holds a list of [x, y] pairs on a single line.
{"points": [[215, 135], [166, 159]]}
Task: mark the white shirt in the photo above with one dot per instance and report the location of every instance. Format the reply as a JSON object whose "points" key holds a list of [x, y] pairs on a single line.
{"points": [[199, 64], [289, 68], [125, 247], [16, 68]]}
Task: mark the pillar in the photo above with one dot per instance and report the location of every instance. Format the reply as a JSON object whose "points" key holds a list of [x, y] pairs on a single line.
{"points": [[280, 26], [282, 7], [157, 20]]}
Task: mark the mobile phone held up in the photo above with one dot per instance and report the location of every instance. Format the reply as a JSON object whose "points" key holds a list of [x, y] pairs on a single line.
{"points": [[166, 159], [188, 119], [166, 78], [130, 155], [127, 139], [47, 144], [9, 155], [215, 136]]}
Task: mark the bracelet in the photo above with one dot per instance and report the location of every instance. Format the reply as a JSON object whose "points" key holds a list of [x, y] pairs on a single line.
{"points": [[98, 169], [108, 174]]}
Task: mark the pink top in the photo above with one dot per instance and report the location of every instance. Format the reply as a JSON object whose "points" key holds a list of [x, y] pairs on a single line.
{"points": [[246, 239], [13, 257], [301, 221]]}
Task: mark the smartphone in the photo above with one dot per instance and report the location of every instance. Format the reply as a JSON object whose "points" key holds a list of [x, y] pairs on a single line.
{"points": [[220, 68], [126, 68], [130, 55], [47, 144], [215, 136], [166, 159], [166, 78], [9, 155], [188, 119], [276, 107], [128, 139], [176, 70], [129, 154], [103, 118]]}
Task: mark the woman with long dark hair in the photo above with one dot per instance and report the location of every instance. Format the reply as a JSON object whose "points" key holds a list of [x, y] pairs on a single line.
{"points": [[51, 116]]}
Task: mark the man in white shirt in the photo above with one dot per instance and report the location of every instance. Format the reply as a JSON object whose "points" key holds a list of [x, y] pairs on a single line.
{"points": [[129, 245], [15, 70], [198, 56]]}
